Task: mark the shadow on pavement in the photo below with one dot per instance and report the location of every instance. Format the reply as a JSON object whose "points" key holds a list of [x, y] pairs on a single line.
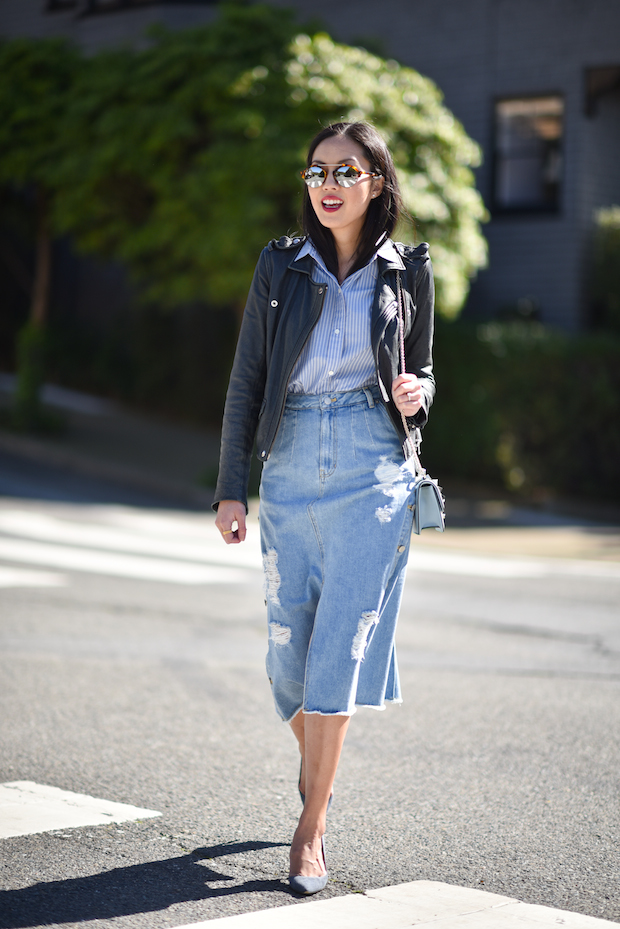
{"points": [[142, 888]]}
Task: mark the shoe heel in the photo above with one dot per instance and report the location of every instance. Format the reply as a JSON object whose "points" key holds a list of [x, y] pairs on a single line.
{"points": [[306, 886]]}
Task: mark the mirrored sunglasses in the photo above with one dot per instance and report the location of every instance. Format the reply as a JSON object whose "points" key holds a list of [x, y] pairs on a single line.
{"points": [[344, 175]]}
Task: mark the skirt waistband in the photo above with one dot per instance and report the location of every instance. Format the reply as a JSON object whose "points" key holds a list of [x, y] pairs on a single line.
{"points": [[368, 396]]}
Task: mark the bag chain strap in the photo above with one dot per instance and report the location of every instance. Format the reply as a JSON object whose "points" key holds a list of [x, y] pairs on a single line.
{"points": [[411, 444]]}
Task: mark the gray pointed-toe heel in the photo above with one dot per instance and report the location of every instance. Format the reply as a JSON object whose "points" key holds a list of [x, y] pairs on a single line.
{"points": [[310, 885]]}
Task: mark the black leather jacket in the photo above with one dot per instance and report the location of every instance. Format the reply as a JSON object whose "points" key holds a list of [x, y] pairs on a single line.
{"points": [[283, 306]]}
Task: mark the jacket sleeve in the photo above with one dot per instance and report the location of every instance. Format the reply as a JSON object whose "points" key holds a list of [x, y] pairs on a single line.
{"points": [[419, 340], [245, 391]]}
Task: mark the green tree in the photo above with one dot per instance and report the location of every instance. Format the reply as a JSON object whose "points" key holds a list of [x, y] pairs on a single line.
{"points": [[181, 170], [35, 82], [182, 157], [432, 152]]}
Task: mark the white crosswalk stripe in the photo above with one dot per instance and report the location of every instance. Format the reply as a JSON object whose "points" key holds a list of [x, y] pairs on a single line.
{"points": [[119, 565], [188, 549], [478, 565], [160, 541], [121, 543], [27, 808]]}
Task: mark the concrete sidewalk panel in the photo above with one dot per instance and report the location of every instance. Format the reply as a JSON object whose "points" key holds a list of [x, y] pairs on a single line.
{"points": [[527, 914], [354, 911], [517, 917], [448, 906], [420, 904], [433, 899]]}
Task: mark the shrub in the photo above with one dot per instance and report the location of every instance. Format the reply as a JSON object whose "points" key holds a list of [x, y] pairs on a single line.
{"points": [[606, 269], [534, 409]]}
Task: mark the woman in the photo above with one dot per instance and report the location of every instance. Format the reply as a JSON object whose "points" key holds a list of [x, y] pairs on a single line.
{"points": [[316, 381]]}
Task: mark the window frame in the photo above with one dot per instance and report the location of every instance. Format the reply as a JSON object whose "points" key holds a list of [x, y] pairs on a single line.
{"points": [[499, 208]]}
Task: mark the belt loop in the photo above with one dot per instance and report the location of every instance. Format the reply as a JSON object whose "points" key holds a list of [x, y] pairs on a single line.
{"points": [[369, 397]]}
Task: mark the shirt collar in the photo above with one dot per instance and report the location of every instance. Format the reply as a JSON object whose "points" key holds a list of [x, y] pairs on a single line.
{"points": [[386, 250], [307, 249]]}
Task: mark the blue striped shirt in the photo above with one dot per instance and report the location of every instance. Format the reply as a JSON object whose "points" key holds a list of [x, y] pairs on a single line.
{"points": [[338, 354]]}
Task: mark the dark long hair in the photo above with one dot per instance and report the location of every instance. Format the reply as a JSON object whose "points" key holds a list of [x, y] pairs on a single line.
{"points": [[383, 212]]}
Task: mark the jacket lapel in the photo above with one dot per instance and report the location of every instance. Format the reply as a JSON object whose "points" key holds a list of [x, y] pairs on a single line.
{"points": [[385, 306]]}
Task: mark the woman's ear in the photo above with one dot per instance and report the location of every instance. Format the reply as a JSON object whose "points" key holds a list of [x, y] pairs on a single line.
{"points": [[377, 186]]}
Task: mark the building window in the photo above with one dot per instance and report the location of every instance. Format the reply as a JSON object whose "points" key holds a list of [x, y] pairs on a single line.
{"points": [[600, 82], [528, 154]]}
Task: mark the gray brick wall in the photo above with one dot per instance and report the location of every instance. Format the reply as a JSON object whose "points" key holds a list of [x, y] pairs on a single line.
{"points": [[29, 17]]}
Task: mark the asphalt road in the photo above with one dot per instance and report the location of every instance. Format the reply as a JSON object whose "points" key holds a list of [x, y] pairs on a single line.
{"points": [[132, 668]]}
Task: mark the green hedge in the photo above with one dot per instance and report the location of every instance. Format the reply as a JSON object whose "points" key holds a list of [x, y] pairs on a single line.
{"points": [[605, 282], [169, 364], [533, 409]]}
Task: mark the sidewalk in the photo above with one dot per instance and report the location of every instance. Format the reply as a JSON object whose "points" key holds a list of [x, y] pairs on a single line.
{"points": [[103, 440], [423, 904]]}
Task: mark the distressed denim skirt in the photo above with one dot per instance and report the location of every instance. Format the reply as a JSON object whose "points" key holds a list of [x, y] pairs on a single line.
{"points": [[336, 513]]}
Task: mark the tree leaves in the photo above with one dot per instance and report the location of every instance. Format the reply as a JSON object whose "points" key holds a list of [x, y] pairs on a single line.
{"points": [[180, 158]]}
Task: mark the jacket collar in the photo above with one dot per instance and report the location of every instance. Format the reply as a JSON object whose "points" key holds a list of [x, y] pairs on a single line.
{"points": [[389, 257], [303, 260], [385, 305]]}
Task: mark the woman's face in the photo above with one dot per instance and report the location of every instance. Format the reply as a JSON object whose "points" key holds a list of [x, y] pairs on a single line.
{"points": [[342, 209]]}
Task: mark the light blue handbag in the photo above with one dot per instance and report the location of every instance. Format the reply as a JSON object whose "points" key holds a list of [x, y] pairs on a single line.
{"points": [[429, 504]]}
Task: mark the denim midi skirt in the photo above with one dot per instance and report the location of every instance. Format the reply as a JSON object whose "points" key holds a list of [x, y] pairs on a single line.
{"points": [[336, 513]]}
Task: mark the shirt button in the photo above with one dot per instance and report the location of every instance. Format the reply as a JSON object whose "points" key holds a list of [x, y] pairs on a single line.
{"points": [[331, 373], [337, 331], [401, 548], [274, 302]]}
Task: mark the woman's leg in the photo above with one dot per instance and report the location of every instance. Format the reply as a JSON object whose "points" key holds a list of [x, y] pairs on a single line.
{"points": [[320, 740], [297, 725]]}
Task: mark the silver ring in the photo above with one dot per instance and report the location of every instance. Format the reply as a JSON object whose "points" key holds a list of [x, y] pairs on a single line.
{"points": [[409, 396]]}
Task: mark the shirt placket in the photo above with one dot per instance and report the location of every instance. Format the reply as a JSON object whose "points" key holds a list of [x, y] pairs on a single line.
{"points": [[336, 341]]}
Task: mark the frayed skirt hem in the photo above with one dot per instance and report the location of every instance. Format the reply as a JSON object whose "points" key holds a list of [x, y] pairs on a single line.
{"points": [[362, 706]]}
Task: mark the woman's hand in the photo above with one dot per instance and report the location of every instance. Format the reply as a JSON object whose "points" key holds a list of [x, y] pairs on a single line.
{"points": [[407, 394], [229, 513]]}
